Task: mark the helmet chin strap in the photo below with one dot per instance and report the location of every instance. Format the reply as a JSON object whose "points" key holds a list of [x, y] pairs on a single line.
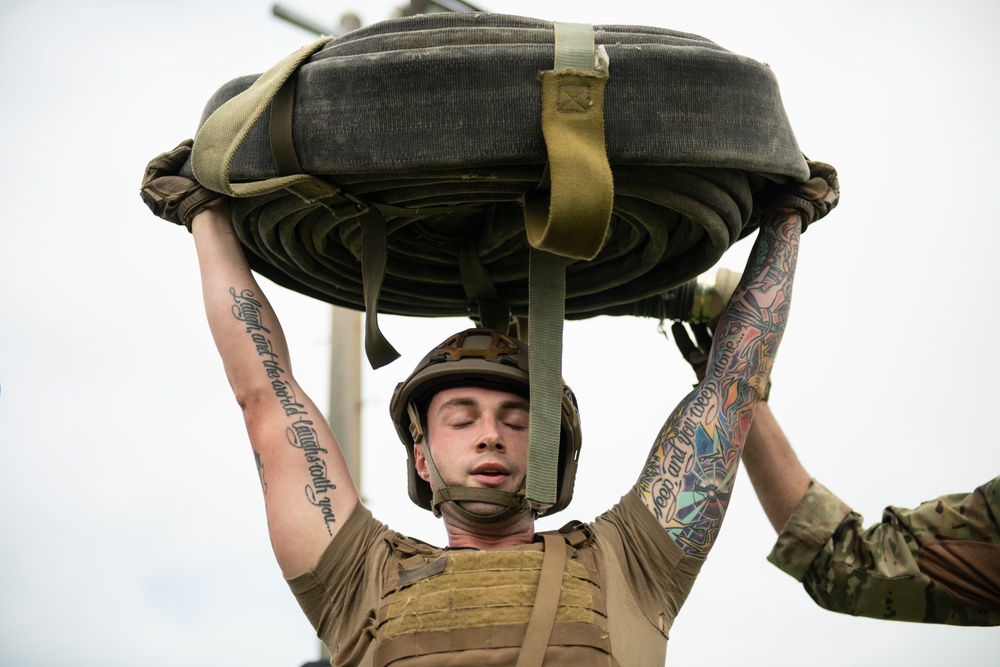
{"points": [[509, 503]]}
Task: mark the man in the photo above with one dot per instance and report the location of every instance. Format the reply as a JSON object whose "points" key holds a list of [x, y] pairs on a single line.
{"points": [[604, 593], [937, 563]]}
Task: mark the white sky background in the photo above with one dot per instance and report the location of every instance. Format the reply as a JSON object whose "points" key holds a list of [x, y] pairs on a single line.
{"points": [[131, 524]]}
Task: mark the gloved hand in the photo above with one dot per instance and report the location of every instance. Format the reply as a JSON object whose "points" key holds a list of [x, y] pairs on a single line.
{"points": [[175, 198], [812, 199], [695, 353]]}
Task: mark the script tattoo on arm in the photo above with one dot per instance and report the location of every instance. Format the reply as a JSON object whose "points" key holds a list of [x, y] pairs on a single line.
{"points": [[688, 478], [299, 432]]}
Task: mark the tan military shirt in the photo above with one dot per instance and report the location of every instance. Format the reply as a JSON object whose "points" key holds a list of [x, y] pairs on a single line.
{"points": [[646, 579]]}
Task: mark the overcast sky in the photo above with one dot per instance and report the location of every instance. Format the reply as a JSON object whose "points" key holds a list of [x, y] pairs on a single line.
{"points": [[132, 529]]}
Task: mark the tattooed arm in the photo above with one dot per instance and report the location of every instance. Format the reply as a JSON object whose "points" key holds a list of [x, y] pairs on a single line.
{"points": [[307, 489], [689, 475]]}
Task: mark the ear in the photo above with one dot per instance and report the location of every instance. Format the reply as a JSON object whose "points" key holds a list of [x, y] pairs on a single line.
{"points": [[420, 462]]}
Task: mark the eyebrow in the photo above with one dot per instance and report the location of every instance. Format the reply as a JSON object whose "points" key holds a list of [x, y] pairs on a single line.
{"points": [[515, 405], [463, 402]]}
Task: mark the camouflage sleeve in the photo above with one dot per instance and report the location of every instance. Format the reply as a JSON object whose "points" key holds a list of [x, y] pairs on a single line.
{"points": [[875, 572]]}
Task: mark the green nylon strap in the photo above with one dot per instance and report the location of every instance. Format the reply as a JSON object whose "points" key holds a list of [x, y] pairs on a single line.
{"points": [[546, 311], [575, 226], [227, 128], [574, 45]]}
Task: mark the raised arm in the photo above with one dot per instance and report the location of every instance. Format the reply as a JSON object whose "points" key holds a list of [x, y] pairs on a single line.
{"points": [[689, 474], [308, 492], [307, 489]]}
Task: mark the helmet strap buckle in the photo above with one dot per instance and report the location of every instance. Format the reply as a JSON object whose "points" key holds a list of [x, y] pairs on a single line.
{"points": [[416, 428]]}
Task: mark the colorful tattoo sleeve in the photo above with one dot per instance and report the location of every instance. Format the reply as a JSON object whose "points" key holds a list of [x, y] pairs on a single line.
{"points": [[688, 478]]}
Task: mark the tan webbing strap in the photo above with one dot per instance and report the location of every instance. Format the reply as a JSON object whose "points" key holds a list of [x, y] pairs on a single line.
{"points": [[227, 128], [572, 218], [543, 614]]}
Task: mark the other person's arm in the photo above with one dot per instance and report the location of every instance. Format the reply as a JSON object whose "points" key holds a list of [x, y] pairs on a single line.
{"points": [[937, 563], [778, 478]]}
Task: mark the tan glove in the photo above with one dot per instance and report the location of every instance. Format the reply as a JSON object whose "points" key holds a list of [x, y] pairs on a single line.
{"points": [[176, 198], [812, 199]]}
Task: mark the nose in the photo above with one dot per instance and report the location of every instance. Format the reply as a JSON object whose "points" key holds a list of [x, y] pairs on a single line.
{"points": [[489, 436]]}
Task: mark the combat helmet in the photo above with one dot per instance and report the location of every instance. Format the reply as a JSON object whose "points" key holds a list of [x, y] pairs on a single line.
{"points": [[481, 358]]}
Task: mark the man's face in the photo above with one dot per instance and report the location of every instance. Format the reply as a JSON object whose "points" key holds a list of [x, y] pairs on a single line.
{"points": [[478, 438]]}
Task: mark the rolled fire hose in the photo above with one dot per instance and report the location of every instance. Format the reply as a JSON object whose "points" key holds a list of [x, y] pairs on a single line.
{"points": [[495, 167]]}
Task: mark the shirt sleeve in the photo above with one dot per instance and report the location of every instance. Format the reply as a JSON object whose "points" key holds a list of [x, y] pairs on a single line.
{"points": [[876, 571], [659, 573], [346, 581], [808, 531]]}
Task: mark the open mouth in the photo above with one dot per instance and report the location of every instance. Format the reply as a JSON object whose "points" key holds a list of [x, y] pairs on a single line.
{"points": [[490, 476]]}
